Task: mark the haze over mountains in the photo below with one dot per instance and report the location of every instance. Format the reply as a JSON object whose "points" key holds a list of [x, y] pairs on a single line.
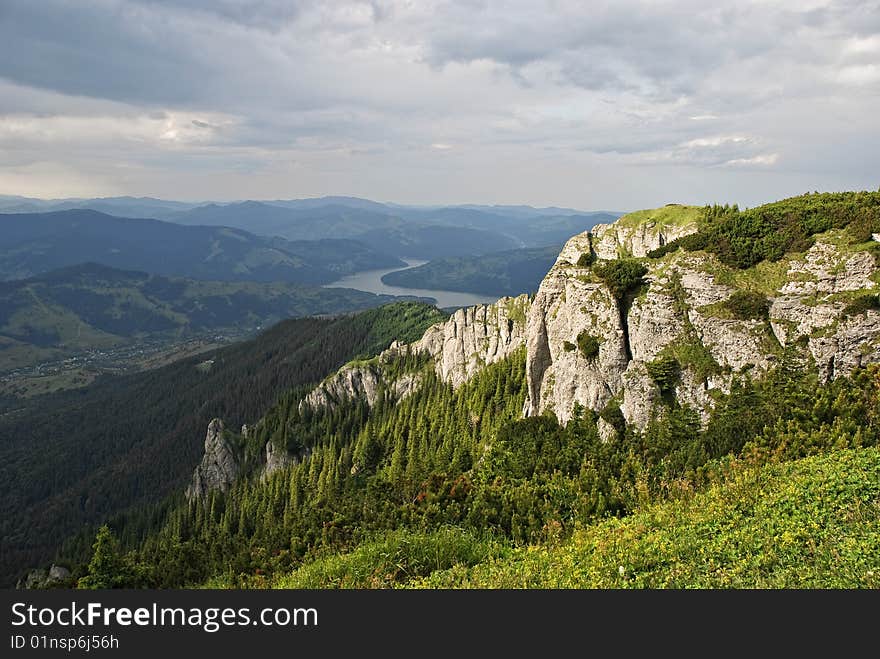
{"points": [[33, 243], [421, 232]]}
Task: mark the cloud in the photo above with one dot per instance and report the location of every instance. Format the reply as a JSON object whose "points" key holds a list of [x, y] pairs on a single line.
{"points": [[765, 159], [280, 97]]}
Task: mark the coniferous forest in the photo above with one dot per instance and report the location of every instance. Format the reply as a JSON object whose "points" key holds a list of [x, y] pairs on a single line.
{"points": [[454, 478]]}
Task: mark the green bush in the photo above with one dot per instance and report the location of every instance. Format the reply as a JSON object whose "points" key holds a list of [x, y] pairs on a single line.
{"points": [[613, 416], [663, 250], [812, 523], [621, 276], [862, 304], [586, 260], [742, 239], [589, 345], [665, 372], [568, 346], [748, 305]]}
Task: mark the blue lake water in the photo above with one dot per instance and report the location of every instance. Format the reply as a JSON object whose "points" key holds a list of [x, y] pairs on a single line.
{"points": [[371, 281]]}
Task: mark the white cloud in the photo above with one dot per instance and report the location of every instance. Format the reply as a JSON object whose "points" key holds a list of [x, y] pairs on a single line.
{"points": [[763, 160]]}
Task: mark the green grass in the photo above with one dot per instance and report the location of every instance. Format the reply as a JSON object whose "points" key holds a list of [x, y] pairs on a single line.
{"points": [[396, 558], [812, 523], [671, 215]]}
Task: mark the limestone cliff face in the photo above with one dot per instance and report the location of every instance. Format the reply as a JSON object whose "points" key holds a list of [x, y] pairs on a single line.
{"points": [[609, 241], [459, 347], [475, 337], [679, 313], [810, 305], [220, 465]]}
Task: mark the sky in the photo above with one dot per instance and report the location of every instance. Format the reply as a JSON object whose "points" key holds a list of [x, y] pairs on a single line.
{"points": [[593, 105]]}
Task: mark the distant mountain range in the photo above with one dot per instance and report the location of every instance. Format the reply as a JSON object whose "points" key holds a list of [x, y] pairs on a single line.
{"points": [[33, 243], [417, 231], [89, 306]]}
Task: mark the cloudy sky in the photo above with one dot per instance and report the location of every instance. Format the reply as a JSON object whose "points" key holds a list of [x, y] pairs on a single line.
{"points": [[616, 105]]}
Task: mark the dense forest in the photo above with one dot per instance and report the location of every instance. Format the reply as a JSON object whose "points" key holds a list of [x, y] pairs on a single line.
{"points": [[73, 458]]}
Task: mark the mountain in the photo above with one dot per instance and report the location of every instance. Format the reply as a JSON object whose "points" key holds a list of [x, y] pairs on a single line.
{"points": [[382, 228], [76, 457], [499, 273], [434, 241], [661, 356], [294, 223], [87, 307], [32, 243], [133, 207], [404, 231], [426, 232]]}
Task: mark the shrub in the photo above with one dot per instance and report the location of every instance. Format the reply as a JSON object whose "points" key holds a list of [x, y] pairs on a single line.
{"points": [[568, 346], [612, 415], [748, 305], [589, 345], [394, 558], [586, 260], [621, 276], [862, 304], [663, 250], [742, 239], [665, 372]]}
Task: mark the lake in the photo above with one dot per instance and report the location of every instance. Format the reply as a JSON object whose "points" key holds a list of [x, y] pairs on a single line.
{"points": [[371, 281]]}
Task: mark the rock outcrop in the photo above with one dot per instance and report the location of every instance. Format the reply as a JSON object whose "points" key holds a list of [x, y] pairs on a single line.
{"points": [[475, 337], [220, 465], [471, 339], [637, 238], [679, 313], [276, 459], [38, 579]]}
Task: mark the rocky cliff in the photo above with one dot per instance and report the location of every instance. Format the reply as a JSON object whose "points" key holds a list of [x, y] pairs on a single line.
{"points": [[684, 314], [220, 465], [472, 338]]}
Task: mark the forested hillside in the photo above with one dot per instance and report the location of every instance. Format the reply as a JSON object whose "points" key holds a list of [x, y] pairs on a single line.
{"points": [[74, 458], [499, 273], [465, 480], [90, 306]]}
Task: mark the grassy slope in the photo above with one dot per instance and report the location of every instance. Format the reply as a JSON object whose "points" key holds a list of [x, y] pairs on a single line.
{"points": [[812, 523], [669, 215]]}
